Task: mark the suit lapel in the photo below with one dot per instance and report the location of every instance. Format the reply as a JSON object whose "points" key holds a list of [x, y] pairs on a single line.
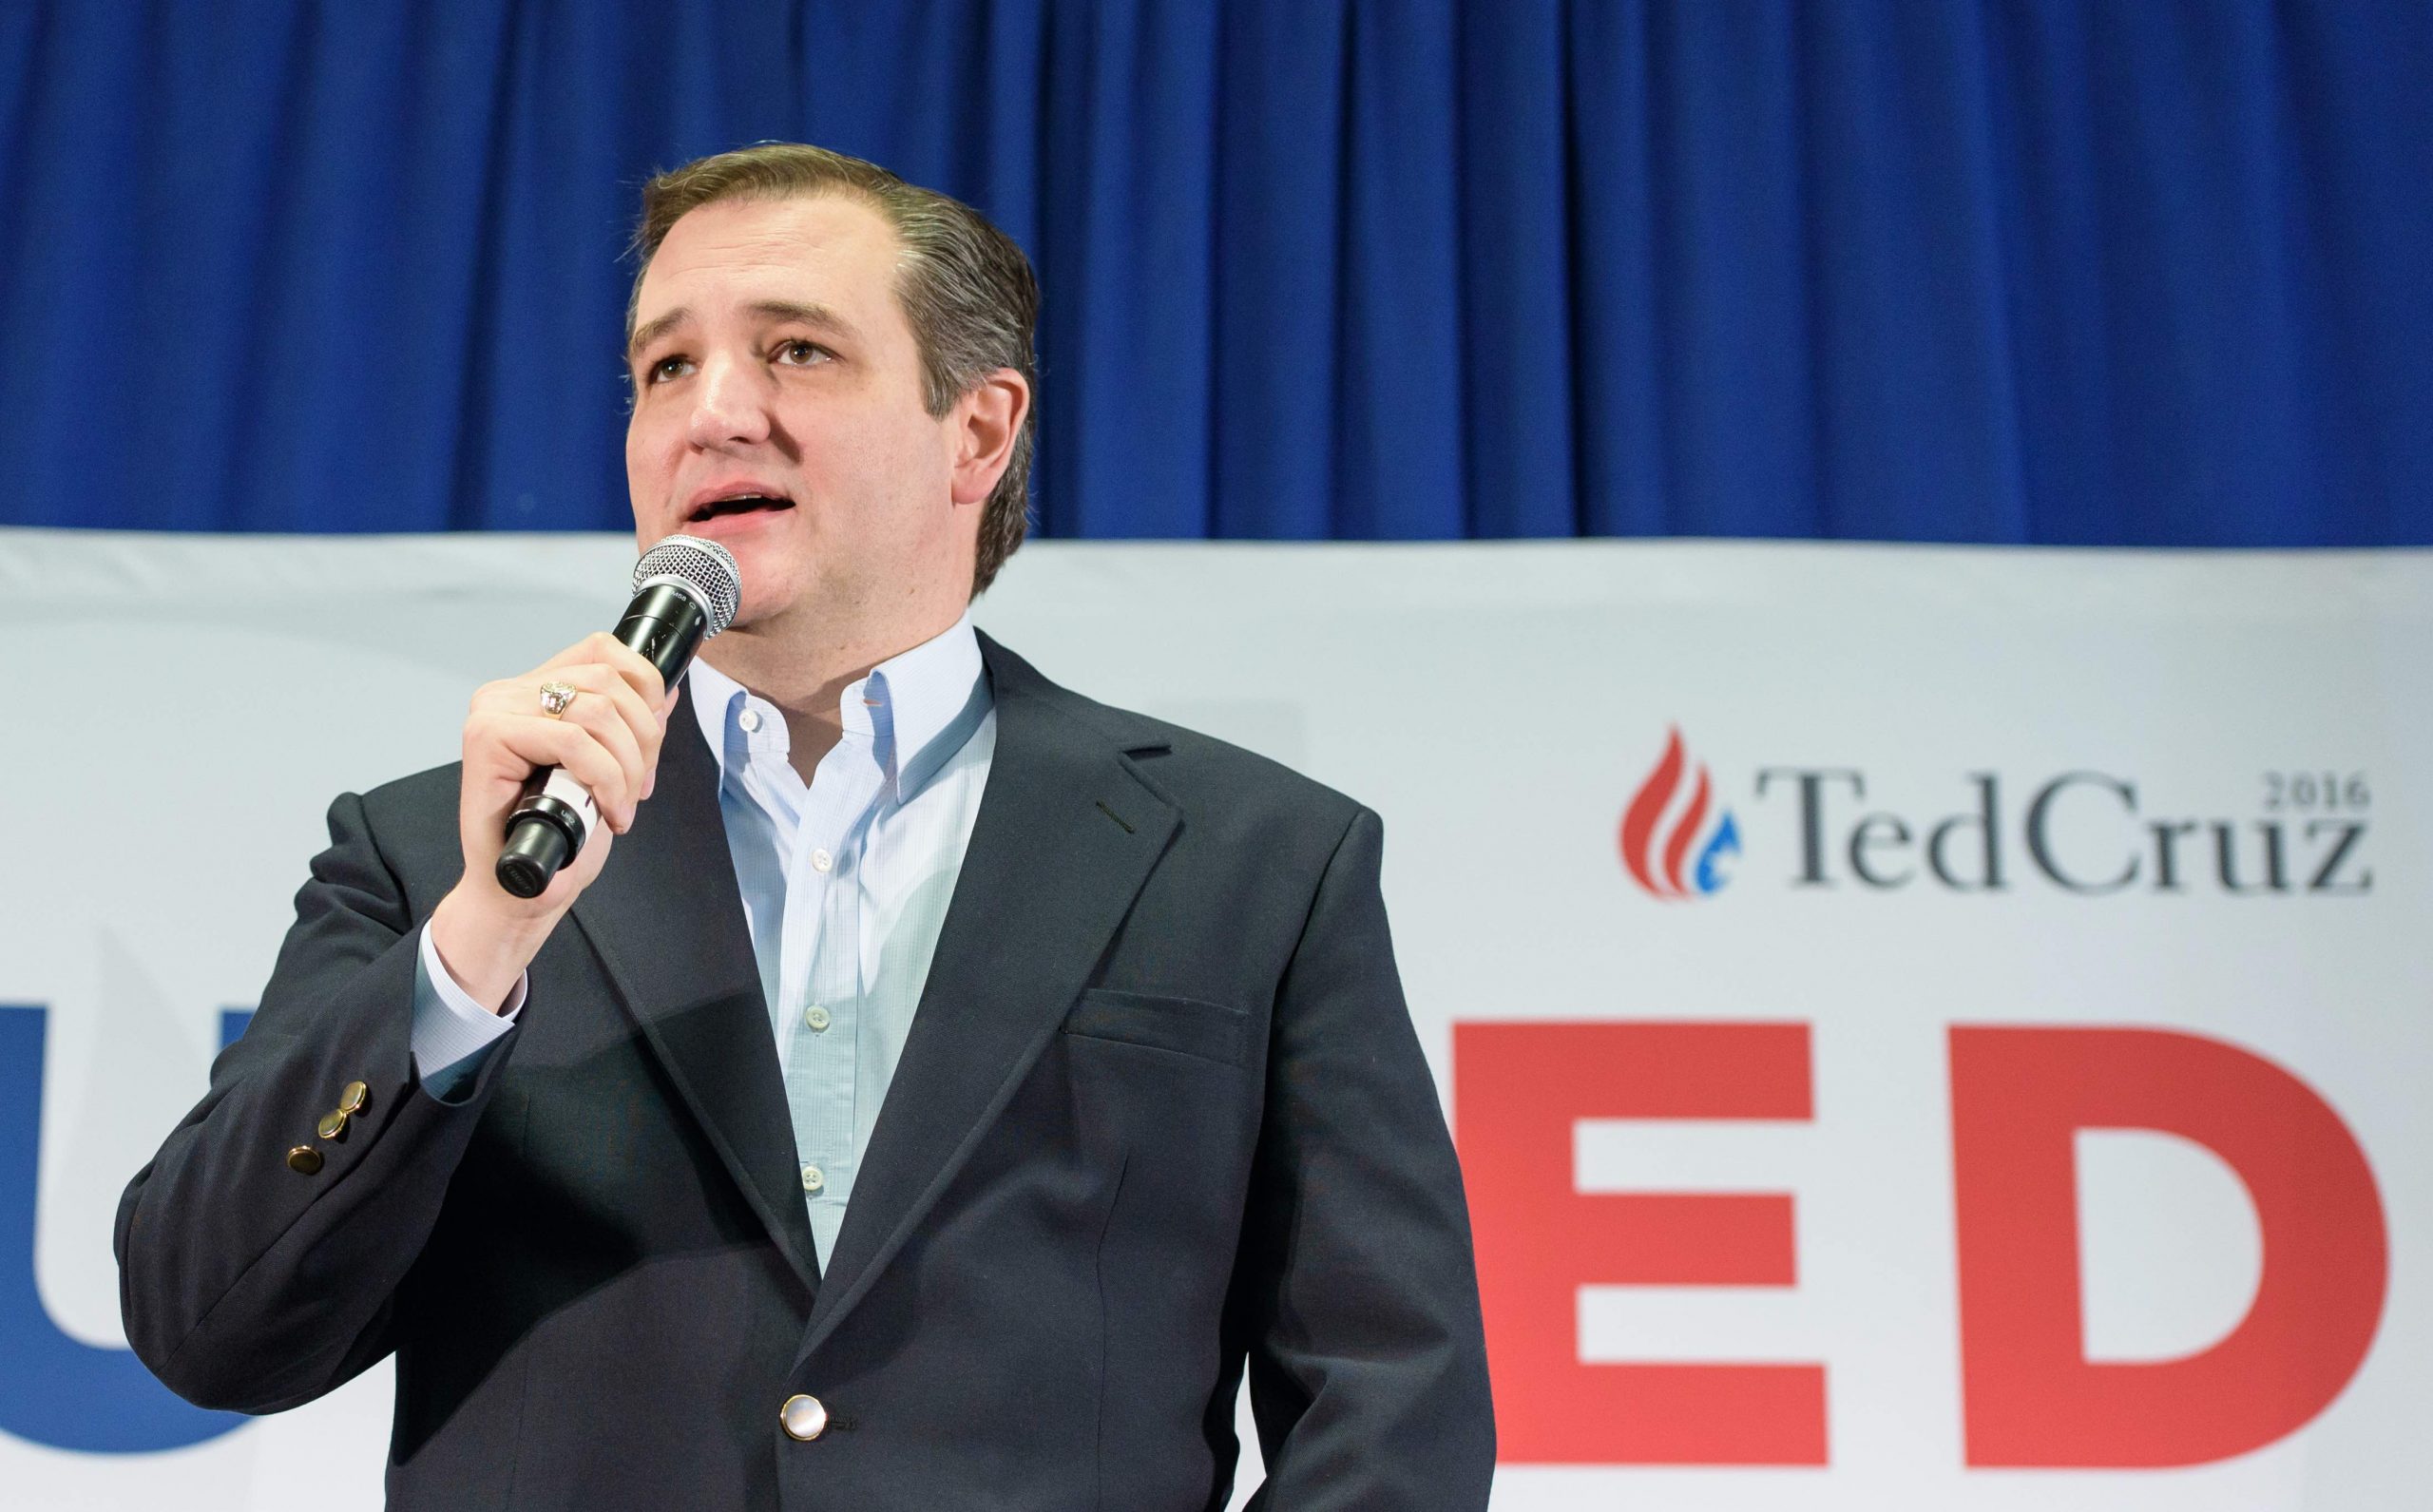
{"points": [[666, 918], [1067, 833]]}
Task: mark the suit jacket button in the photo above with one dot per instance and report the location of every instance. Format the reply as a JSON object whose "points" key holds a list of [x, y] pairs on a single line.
{"points": [[804, 1418], [304, 1160], [352, 1097]]}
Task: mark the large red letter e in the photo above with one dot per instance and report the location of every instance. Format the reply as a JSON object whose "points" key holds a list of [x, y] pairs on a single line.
{"points": [[2032, 1398], [1519, 1089]]}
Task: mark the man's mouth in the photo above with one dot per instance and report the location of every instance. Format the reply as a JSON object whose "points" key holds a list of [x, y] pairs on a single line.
{"points": [[740, 504]]}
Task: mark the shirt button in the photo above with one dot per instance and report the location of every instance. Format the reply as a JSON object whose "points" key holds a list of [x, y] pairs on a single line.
{"points": [[804, 1418], [817, 1017], [821, 860], [749, 719], [812, 1181]]}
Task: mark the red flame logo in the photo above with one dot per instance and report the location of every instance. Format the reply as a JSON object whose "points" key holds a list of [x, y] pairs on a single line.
{"points": [[1661, 875]]}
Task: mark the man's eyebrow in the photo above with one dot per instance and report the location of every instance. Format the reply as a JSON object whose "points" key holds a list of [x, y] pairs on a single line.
{"points": [[817, 315], [644, 334]]}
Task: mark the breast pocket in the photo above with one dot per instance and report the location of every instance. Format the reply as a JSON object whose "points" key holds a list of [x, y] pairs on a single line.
{"points": [[1212, 1031]]}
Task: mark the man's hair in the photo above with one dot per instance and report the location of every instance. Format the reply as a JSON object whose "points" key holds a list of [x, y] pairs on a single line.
{"points": [[965, 287]]}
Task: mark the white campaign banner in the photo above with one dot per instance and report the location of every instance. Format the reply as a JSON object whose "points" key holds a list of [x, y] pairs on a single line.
{"points": [[1926, 1028]]}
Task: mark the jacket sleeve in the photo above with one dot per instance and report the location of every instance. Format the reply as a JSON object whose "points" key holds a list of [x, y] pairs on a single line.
{"points": [[1355, 1292], [245, 1282]]}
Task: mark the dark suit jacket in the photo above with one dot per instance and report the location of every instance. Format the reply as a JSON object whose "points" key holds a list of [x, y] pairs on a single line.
{"points": [[1161, 1109]]}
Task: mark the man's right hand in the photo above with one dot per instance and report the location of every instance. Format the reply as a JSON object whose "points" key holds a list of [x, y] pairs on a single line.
{"points": [[608, 739]]}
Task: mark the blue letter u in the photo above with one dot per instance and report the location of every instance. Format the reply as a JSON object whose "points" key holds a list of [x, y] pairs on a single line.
{"points": [[54, 1390]]}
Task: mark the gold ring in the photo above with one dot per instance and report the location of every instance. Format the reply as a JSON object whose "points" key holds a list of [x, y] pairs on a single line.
{"points": [[555, 696]]}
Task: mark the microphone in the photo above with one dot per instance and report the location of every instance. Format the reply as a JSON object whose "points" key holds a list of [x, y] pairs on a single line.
{"points": [[685, 590]]}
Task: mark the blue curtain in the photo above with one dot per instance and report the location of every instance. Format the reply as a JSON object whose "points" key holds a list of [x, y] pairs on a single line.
{"points": [[2104, 273]]}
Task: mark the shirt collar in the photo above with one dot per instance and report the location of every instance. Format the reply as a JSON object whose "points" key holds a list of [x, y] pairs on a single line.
{"points": [[926, 702]]}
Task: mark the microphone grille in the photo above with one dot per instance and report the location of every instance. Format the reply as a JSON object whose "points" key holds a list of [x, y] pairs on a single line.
{"points": [[704, 567]]}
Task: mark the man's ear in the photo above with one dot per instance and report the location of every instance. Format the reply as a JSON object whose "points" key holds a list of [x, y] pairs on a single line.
{"points": [[988, 422]]}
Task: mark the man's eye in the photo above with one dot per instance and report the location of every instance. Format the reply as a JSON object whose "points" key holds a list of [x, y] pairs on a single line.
{"points": [[800, 354], [665, 369]]}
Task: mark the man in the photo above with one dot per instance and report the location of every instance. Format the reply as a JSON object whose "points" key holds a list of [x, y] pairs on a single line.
{"points": [[929, 1089]]}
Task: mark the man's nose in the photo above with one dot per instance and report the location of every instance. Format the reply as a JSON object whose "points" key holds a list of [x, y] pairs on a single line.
{"points": [[730, 405]]}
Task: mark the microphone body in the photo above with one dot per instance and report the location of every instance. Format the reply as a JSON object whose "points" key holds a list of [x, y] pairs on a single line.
{"points": [[685, 591]]}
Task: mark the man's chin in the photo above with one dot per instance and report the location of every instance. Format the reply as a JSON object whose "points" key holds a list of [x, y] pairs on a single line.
{"points": [[770, 594]]}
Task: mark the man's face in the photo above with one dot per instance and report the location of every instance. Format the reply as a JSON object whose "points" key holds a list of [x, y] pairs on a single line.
{"points": [[778, 410]]}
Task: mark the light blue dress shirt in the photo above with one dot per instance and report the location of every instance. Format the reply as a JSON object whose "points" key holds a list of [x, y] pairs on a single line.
{"points": [[845, 883]]}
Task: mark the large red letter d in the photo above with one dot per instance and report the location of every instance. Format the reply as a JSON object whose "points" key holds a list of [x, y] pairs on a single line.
{"points": [[2017, 1096]]}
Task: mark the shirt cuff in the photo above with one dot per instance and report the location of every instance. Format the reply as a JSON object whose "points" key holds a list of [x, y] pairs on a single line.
{"points": [[452, 1034]]}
